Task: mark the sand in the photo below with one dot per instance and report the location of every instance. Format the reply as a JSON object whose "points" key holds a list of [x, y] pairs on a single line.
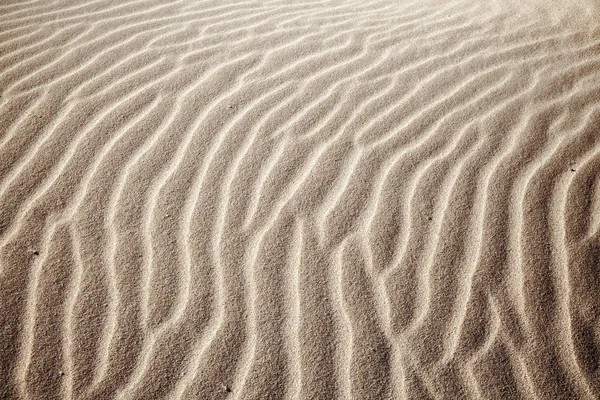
{"points": [[372, 199]]}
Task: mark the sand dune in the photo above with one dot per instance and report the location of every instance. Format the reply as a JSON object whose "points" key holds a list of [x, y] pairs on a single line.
{"points": [[299, 200]]}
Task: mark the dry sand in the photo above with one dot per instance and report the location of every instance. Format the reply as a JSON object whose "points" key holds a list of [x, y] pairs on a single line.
{"points": [[370, 199]]}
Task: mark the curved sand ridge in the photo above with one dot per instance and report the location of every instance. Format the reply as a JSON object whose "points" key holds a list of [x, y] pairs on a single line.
{"points": [[299, 200]]}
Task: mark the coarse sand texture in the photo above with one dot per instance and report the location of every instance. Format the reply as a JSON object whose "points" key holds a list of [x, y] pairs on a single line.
{"points": [[312, 200]]}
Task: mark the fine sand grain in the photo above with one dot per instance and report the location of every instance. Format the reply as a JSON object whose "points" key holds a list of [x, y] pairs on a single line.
{"points": [[320, 199]]}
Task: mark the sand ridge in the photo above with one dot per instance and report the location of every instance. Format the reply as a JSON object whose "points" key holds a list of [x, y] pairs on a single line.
{"points": [[299, 200]]}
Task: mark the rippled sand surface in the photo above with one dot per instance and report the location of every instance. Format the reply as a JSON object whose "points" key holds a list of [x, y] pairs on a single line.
{"points": [[372, 199]]}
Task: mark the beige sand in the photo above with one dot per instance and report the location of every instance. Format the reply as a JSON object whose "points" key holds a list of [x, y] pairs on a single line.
{"points": [[372, 199]]}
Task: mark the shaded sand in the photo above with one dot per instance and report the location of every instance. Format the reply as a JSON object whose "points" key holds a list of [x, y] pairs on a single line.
{"points": [[299, 200]]}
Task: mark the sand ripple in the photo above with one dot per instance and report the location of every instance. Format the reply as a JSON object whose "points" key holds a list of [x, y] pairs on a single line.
{"points": [[307, 200]]}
